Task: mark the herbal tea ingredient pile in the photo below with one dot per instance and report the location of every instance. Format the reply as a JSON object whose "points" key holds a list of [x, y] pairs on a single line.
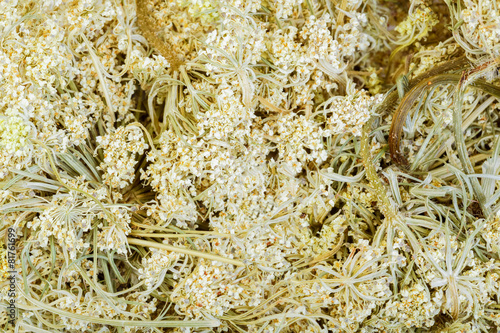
{"points": [[206, 166]]}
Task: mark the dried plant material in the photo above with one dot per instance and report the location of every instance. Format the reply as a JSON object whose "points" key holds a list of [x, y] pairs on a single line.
{"points": [[414, 94], [150, 29], [236, 166]]}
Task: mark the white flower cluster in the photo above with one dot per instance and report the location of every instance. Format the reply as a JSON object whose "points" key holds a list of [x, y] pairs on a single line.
{"points": [[421, 19], [326, 241], [250, 6], [299, 140], [15, 148], [120, 148], [332, 51], [156, 266], [201, 164], [62, 220], [229, 117], [320, 42], [284, 8], [461, 282], [240, 42], [4, 265], [210, 289], [146, 69], [492, 234], [113, 236], [416, 307], [363, 273], [285, 50], [429, 57]]}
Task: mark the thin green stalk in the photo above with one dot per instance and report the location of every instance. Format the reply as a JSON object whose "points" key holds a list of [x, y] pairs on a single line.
{"points": [[162, 246]]}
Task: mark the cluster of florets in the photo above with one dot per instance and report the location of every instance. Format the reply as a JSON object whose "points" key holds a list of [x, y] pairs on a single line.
{"points": [[421, 19], [351, 113], [199, 164], [64, 220]]}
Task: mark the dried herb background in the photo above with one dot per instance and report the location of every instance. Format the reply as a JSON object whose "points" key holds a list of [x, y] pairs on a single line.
{"points": [[250, 166]]}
